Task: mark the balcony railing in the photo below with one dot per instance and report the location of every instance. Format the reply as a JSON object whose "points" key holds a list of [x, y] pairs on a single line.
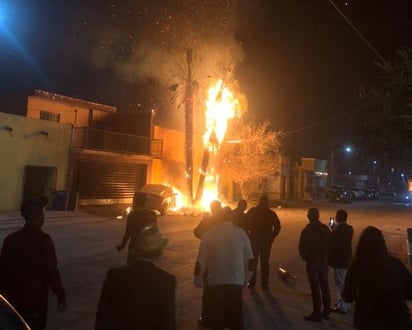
{"points": [[96, 139]]}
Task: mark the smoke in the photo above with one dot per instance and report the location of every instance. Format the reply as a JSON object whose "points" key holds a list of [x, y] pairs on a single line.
{"points": [[141, 40], [149, 61], [206, 27], [144, 39]]}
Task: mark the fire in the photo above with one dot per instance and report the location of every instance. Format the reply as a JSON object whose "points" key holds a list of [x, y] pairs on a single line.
{"points": [[221, 106]]}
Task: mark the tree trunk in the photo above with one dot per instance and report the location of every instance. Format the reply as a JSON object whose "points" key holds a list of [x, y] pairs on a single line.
{"points": [[189, 127], [203, 172]]}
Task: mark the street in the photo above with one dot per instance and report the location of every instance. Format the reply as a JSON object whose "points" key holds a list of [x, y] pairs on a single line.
{"points": [[86, 240]]}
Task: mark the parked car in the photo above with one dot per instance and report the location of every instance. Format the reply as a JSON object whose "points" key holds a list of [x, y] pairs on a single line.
{"points": [[160, 198], [404, 198], [371, 193], [9, 317], [358, 194], [339, 194]]}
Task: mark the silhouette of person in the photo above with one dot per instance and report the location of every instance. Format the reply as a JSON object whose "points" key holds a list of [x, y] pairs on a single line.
{"points": [[136, 220], [209, 219], [28, 267], [239, 215], [226, 253], [263, 226], [139, 295], [340, 254], [313, 249], [378, 284]]}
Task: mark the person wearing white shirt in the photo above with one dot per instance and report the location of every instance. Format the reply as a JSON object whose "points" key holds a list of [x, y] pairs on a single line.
{"points": [[226, 253]]}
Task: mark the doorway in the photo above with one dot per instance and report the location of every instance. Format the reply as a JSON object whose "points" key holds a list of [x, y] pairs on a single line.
{"points": [[39, 180]]}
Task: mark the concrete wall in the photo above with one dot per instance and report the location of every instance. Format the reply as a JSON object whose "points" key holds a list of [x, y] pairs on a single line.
{"points": [[171, 168], [70, 113], [25, 145]]}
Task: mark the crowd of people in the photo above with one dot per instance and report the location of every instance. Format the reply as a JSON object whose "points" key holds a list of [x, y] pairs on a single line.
{"points": [[141, 295]]}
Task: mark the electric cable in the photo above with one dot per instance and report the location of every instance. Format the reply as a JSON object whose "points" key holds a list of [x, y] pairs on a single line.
{"points": [[358, 32]]}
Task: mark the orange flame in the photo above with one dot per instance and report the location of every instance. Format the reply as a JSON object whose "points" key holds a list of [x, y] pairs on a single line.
{"points": [[221, 106]]}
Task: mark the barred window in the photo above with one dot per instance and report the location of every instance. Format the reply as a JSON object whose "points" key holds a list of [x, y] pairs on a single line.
{"points": [[51, 116]]}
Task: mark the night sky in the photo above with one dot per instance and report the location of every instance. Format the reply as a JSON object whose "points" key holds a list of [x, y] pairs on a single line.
{"points": [[297, 62]]}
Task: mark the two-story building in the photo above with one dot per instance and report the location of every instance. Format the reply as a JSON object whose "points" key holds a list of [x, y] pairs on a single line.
{"points": [[101, 166]]}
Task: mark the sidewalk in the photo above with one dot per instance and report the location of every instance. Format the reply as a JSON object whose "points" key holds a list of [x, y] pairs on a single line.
{"points": [[13, 219]]}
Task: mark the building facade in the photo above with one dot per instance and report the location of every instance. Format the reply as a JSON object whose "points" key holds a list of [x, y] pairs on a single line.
{"points": [[309, 179], [101, 167], [34, 158]]}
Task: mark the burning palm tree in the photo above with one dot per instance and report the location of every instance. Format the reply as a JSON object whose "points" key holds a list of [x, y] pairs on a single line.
{"points": [[186, 89], [220, 106]]}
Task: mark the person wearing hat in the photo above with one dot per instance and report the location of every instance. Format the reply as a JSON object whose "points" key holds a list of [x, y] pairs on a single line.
{"points": [[313, 249], [28, 267], [139, 295]]}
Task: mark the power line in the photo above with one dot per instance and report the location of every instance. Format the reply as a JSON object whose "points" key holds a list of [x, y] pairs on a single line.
{"points": [[315, 124], [358, 32]]}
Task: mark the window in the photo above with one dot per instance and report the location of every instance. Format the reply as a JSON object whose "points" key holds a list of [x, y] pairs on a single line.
{"points": [[51, 116]]}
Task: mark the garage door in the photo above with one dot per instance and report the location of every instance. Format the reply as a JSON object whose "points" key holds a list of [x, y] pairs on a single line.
{"points": [[97, 180]]}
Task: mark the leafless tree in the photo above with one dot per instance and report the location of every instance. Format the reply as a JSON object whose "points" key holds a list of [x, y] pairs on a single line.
{"points": [[251, 158]]}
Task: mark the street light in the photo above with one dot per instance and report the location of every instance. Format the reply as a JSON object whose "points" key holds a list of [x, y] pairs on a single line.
{"points": [[348, 150], [374, 163]]}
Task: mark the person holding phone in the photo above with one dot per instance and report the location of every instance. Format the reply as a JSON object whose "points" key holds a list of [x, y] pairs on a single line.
{"points": [[331, 222], [340, 254]]}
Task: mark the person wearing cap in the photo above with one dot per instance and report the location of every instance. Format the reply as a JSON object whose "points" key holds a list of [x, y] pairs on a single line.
{"points": [[313, 249], [136, 220], [28, 267], [340, 254], [226, 253], [139, 295]]}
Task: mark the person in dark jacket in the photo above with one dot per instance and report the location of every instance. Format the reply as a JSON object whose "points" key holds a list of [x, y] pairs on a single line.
{"points": [[139, 295], [263, 226], [28, 267], [136, 220], [340, 254], [379, 284], [239, 215], [313, 249]]}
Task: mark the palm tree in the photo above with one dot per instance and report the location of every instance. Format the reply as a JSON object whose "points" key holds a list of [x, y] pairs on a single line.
{"points": [[186, 88]]}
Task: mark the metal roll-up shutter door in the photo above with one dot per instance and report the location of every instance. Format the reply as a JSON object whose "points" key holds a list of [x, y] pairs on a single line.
{"points": [[109, 180]]}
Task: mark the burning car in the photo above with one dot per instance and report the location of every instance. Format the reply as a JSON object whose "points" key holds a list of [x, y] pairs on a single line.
{"points": [[160, 198]]}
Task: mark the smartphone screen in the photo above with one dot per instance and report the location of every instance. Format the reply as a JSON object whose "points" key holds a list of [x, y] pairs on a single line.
{"points": [[331, 222]]}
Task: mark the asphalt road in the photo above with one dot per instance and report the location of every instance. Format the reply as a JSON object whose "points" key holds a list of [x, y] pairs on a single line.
{"points": [[85, 242]]}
